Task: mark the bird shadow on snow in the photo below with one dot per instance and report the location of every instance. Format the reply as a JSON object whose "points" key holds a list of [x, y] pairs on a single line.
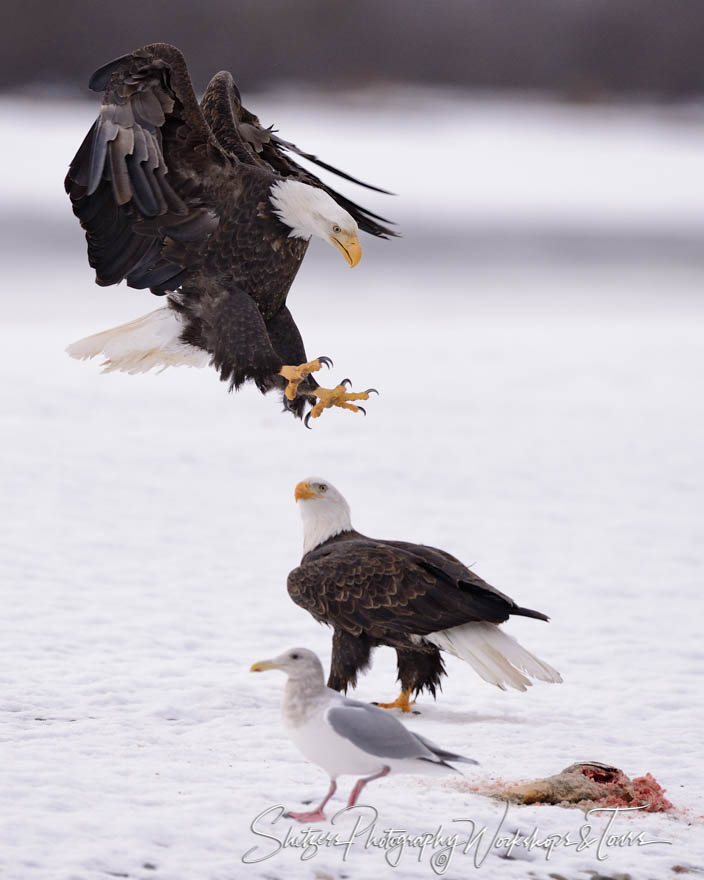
{"points": [[448, 716]]}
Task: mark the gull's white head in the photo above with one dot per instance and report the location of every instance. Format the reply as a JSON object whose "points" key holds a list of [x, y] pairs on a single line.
{"points": [[324, 511], [297, 663], [308, 211]]}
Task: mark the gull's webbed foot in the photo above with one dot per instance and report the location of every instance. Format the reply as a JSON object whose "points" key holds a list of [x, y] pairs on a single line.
{"points": [[402, 702], [338, 396], [295, 375]]}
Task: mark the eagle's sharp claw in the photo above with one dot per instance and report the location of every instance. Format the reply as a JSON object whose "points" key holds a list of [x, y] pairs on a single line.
{"points": [[371, 391], [341, 396], [306, 420], [297, 374]]}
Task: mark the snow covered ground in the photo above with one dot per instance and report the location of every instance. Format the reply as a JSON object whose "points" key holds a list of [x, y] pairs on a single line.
{"points": [[540, 417]]}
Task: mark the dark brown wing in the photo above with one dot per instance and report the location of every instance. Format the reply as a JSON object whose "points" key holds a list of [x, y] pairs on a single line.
{"points": [[391, 592], [242, 134], [137, 181], [222, 109], [452, 570]]}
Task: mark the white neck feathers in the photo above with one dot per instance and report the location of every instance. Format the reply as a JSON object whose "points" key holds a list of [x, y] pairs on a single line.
{"points": [[307, 210], [323, 518]]}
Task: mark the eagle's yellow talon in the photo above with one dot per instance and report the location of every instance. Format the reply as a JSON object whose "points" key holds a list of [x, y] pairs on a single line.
{"points": [[338, 396], [402, 702], [296, 375]]}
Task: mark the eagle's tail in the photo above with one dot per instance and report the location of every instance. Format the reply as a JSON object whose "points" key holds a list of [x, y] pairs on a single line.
{"points": [[152, 341], [494, 655]]}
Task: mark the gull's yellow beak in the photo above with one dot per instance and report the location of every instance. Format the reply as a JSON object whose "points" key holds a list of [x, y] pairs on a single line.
{"points": [[349, 247], [262, 666], [303, 490]]}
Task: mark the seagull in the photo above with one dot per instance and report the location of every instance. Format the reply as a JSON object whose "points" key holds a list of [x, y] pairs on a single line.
{"points": [[346, 736]]}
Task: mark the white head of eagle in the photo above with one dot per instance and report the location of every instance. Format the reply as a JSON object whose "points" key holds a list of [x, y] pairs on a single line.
{"points": [[324, 511], [309, 211]]}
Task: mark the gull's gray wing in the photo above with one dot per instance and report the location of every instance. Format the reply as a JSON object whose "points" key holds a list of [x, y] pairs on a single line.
{"points": [[377, 732], [443, 754]]}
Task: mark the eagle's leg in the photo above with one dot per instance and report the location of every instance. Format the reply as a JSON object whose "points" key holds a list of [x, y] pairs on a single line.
{"points": [[350, 655], [338, 396], [287, 343], [402, 702], [295, 375], [418, 670]]}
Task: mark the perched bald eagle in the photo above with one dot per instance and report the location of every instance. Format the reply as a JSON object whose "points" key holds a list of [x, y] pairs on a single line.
{"points": [[416, 599], [203, 205]]}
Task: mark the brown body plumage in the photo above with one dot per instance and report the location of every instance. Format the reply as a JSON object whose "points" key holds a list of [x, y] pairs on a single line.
{"points": [[376, 592], [414, 598]]}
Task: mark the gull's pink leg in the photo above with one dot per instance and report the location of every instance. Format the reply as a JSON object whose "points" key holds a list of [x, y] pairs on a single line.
{"points": [[359, 785], [315, 815]]}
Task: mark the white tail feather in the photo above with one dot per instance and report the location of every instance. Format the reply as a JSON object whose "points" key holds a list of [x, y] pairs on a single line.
{"points": [[141, 345], [495, 655]]}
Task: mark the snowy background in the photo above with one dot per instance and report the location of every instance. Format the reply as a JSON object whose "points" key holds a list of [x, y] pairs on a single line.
{"points": [[537, 340]]}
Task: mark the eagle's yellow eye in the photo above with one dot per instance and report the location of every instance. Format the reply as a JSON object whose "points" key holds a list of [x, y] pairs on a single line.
{"points": [[323, 487], [337, 229]]}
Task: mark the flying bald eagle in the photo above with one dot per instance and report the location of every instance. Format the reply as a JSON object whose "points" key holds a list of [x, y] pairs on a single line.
{"points": [[203, 205], [416, 599]]}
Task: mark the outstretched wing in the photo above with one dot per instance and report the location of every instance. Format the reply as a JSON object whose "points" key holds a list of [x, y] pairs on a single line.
{"points": [[386, 590], [242, 134], [137, 181]]}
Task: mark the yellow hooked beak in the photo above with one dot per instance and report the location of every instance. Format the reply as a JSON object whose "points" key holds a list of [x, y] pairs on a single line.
{"points": [[349, 247], [303, 490], [262, 666]]}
